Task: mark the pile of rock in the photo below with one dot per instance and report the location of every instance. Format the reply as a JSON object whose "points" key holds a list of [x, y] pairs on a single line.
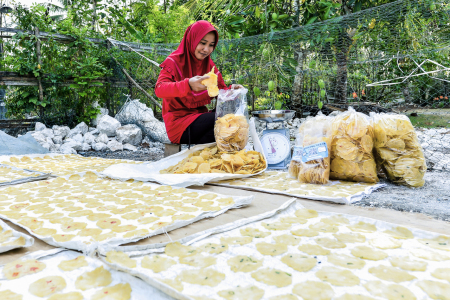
{"points": [[109, 135], [436, 147]]}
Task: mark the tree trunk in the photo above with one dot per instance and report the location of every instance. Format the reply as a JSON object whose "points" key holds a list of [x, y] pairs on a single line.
{"points": [[341, 78], [94, 14], [342, 51], [297, 87]]}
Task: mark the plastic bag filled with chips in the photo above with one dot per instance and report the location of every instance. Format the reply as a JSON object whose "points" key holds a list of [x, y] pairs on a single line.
{"points": [[398, 150], [315, 135], [351, 148], [231, 130], [296, 161]]}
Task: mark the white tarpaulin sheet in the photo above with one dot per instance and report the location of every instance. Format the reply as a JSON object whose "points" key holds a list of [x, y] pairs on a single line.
{"points": [[76, 280], [276, 182], [11, 175], [12, 239], [151, 171], [82, 211], [298, 251], [61, 164]]}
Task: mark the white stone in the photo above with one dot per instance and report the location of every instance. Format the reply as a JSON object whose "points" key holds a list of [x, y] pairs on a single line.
{"points": [[49, 141], [62, 131], [47, 132], [73, 132], [130, 134], [108, 125], [129, 147], [114, 146], [73, 144], [102, 138], [92, 129], [99, 146], [89, 138], [57, 139], [85, 147], [96, 120], [95, 132], [67, 149], [79, 138], [39, 137], [46, 145], [83, 127], [55, 148], [39, 126]]}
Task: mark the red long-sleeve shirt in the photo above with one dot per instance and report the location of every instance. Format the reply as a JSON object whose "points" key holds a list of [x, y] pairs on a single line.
{"points": [[181, 106]]}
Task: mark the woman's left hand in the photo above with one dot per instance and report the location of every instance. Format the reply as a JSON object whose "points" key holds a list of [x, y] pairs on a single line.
{"points": [[236, 86]]}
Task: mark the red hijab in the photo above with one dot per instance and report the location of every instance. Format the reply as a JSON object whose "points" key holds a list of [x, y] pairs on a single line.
{"points": [[182, 63]]}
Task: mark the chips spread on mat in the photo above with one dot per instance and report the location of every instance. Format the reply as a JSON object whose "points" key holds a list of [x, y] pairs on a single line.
{"points": [[398, 150], [314, 165], [209, 160], [231, 132], [351, 148]]}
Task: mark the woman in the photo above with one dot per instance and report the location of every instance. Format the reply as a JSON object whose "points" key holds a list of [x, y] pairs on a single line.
{"points": [[185, 98]]}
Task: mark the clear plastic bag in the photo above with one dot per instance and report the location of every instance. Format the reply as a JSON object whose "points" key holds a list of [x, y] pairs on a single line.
{"points": [[351, 148], [315, 140], [231, 130], [398, 150], [296, 161]]}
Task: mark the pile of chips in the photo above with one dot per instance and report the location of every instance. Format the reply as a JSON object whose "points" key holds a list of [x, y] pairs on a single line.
{"points": [[351, 148], [209, 160], [398, 151], [313, 131], [231, 132]]}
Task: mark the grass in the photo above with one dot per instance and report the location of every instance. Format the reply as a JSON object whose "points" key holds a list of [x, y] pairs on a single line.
{"points": [[431, 121]]}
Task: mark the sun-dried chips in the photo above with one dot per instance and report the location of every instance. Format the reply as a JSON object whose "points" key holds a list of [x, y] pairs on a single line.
{"points": [[231, 132], [351, 148], [209, 160], [314, 131], [398, 151]]}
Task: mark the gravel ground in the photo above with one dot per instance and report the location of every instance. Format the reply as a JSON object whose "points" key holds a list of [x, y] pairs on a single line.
{"points": [[432, 199]]}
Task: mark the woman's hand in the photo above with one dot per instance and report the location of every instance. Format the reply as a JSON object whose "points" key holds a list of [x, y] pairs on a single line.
{"points": [[196, 83], [236, 86]]}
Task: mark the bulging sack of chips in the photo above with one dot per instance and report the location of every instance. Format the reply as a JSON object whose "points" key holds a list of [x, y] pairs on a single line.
{"points": [[351, 148], [398, 150], [296, 161], [231, 130], [315, 140]]}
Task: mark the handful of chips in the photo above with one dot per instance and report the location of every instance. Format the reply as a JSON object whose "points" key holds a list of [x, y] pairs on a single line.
{"points": [[351, 148], [209, 160], [231, 132], [313, 131], [398, 151], [211, 83]]}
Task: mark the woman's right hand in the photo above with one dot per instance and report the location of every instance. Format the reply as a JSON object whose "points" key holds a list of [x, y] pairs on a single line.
{"points": [[196, 83]]}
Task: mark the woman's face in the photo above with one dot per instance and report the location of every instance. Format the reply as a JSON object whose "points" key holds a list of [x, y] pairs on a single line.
{"points": [[206, 46]]}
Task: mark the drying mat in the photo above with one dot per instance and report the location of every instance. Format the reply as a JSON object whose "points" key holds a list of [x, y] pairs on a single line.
{"points": [[151, 171], [69, 275], [300, 253], [11, 175], [60, 164], [12, 239], [82, 211], [276, 182]]}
